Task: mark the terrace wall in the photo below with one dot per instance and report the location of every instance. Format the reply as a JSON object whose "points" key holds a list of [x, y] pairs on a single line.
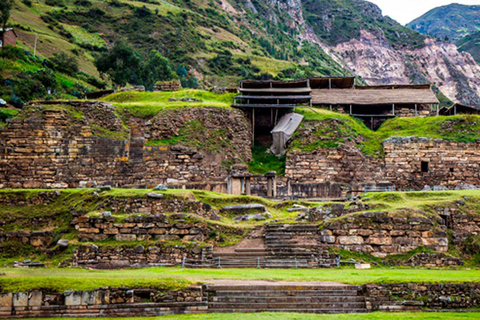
{"points": [[449, 163], [55, 148]]}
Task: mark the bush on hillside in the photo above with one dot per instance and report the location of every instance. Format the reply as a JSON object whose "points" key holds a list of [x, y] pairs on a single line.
{"points": [[65, 63], [12, 53]]}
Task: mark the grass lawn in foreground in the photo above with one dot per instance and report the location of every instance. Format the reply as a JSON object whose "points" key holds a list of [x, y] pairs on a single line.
{"points": [[301, 316], [81, 279]]}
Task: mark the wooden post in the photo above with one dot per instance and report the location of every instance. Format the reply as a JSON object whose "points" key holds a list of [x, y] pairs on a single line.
{"points": [[329, 83], [350, 109], [437, 110], [416, 112], [454, 109], [393, 109], [253, 126]]}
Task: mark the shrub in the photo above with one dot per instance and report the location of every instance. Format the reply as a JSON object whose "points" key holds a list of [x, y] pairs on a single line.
{"points": [[16, 102], [12, 53], [65, 63], [55, 3], [28, 3]]}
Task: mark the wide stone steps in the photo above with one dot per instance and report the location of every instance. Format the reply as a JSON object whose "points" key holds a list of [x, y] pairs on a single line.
{"points": [[286, 298], [290, 310]]}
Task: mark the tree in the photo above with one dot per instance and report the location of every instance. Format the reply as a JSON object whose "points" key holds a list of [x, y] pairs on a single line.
{"points": [[154, 68], [5, 8], [120, 64], [65, 63]]}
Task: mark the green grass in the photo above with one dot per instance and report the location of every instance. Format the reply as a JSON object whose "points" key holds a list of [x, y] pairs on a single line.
{"points": [[149, 104], [335, 128], [302, 316], [264, 162], [81, 279], [6, 113], [391, 201]]}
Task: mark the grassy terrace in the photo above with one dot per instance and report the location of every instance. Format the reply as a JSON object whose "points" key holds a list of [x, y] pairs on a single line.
{"points": [[148, 104], [58, 280], [298, 316], [339, 128]]}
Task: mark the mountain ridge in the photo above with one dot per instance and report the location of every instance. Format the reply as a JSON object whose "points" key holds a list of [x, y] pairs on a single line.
{"points": [[220, 42]]}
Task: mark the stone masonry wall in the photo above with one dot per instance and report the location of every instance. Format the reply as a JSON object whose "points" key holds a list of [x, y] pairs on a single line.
{"points": [[418, 296], [122, 256], [114, 302], [450, 163], [381, 234], [138, 228], [59, 146], [345, 164]]}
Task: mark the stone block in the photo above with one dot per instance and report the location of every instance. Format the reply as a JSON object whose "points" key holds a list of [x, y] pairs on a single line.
{"points": [[348, 240], [20, 299], [73, 298], [125, 237], [380, 241], [35, 298], [6, 299]]}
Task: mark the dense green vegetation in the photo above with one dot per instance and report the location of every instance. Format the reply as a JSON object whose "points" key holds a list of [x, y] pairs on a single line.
{"points": [[342, 20], [470, 44], [24, 77], [264, 162], [451, 22], [333, 129], [302, 316]]}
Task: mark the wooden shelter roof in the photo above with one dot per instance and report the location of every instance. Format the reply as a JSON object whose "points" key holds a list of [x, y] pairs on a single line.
{"points": [[374, 96]]}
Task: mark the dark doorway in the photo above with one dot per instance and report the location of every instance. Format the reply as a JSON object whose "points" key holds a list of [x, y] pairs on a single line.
{"points": [[424, 166]]}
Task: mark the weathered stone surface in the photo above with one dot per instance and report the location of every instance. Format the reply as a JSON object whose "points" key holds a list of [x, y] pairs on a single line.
{"points": [[245, 207]]}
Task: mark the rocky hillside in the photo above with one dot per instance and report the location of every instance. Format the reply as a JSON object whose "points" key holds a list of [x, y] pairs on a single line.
{"points": [[220, 42], [450, 23]]}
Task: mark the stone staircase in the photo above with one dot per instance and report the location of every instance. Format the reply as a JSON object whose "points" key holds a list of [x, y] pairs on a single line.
{"points": [[241, 258], [296, 245], [294, 297], [283, 246]]}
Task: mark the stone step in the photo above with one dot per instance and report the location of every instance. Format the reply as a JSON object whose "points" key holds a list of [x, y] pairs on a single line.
{"points": [[287, 305], [259, 250], [284, 289], [240, 254], [288, 299], [326, 311]]}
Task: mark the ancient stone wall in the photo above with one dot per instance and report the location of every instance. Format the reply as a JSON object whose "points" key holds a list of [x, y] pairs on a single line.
{"points": [[123, 256], [408, 163], [59, 146], [102, 302], [418, 296], [446, 163], [138, 229], [345, 164], [382, 234]]}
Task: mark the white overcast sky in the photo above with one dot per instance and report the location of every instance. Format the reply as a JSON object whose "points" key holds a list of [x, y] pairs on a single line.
{"points": [[405, 11]]}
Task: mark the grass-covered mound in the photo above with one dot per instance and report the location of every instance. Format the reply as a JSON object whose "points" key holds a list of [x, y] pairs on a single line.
{"points": [[149, 104], [330, 129]]}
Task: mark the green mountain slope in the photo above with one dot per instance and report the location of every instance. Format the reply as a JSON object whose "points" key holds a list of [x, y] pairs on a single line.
{"points": [[216, 44], [339, 21], [471, 44], [451, 22]]}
